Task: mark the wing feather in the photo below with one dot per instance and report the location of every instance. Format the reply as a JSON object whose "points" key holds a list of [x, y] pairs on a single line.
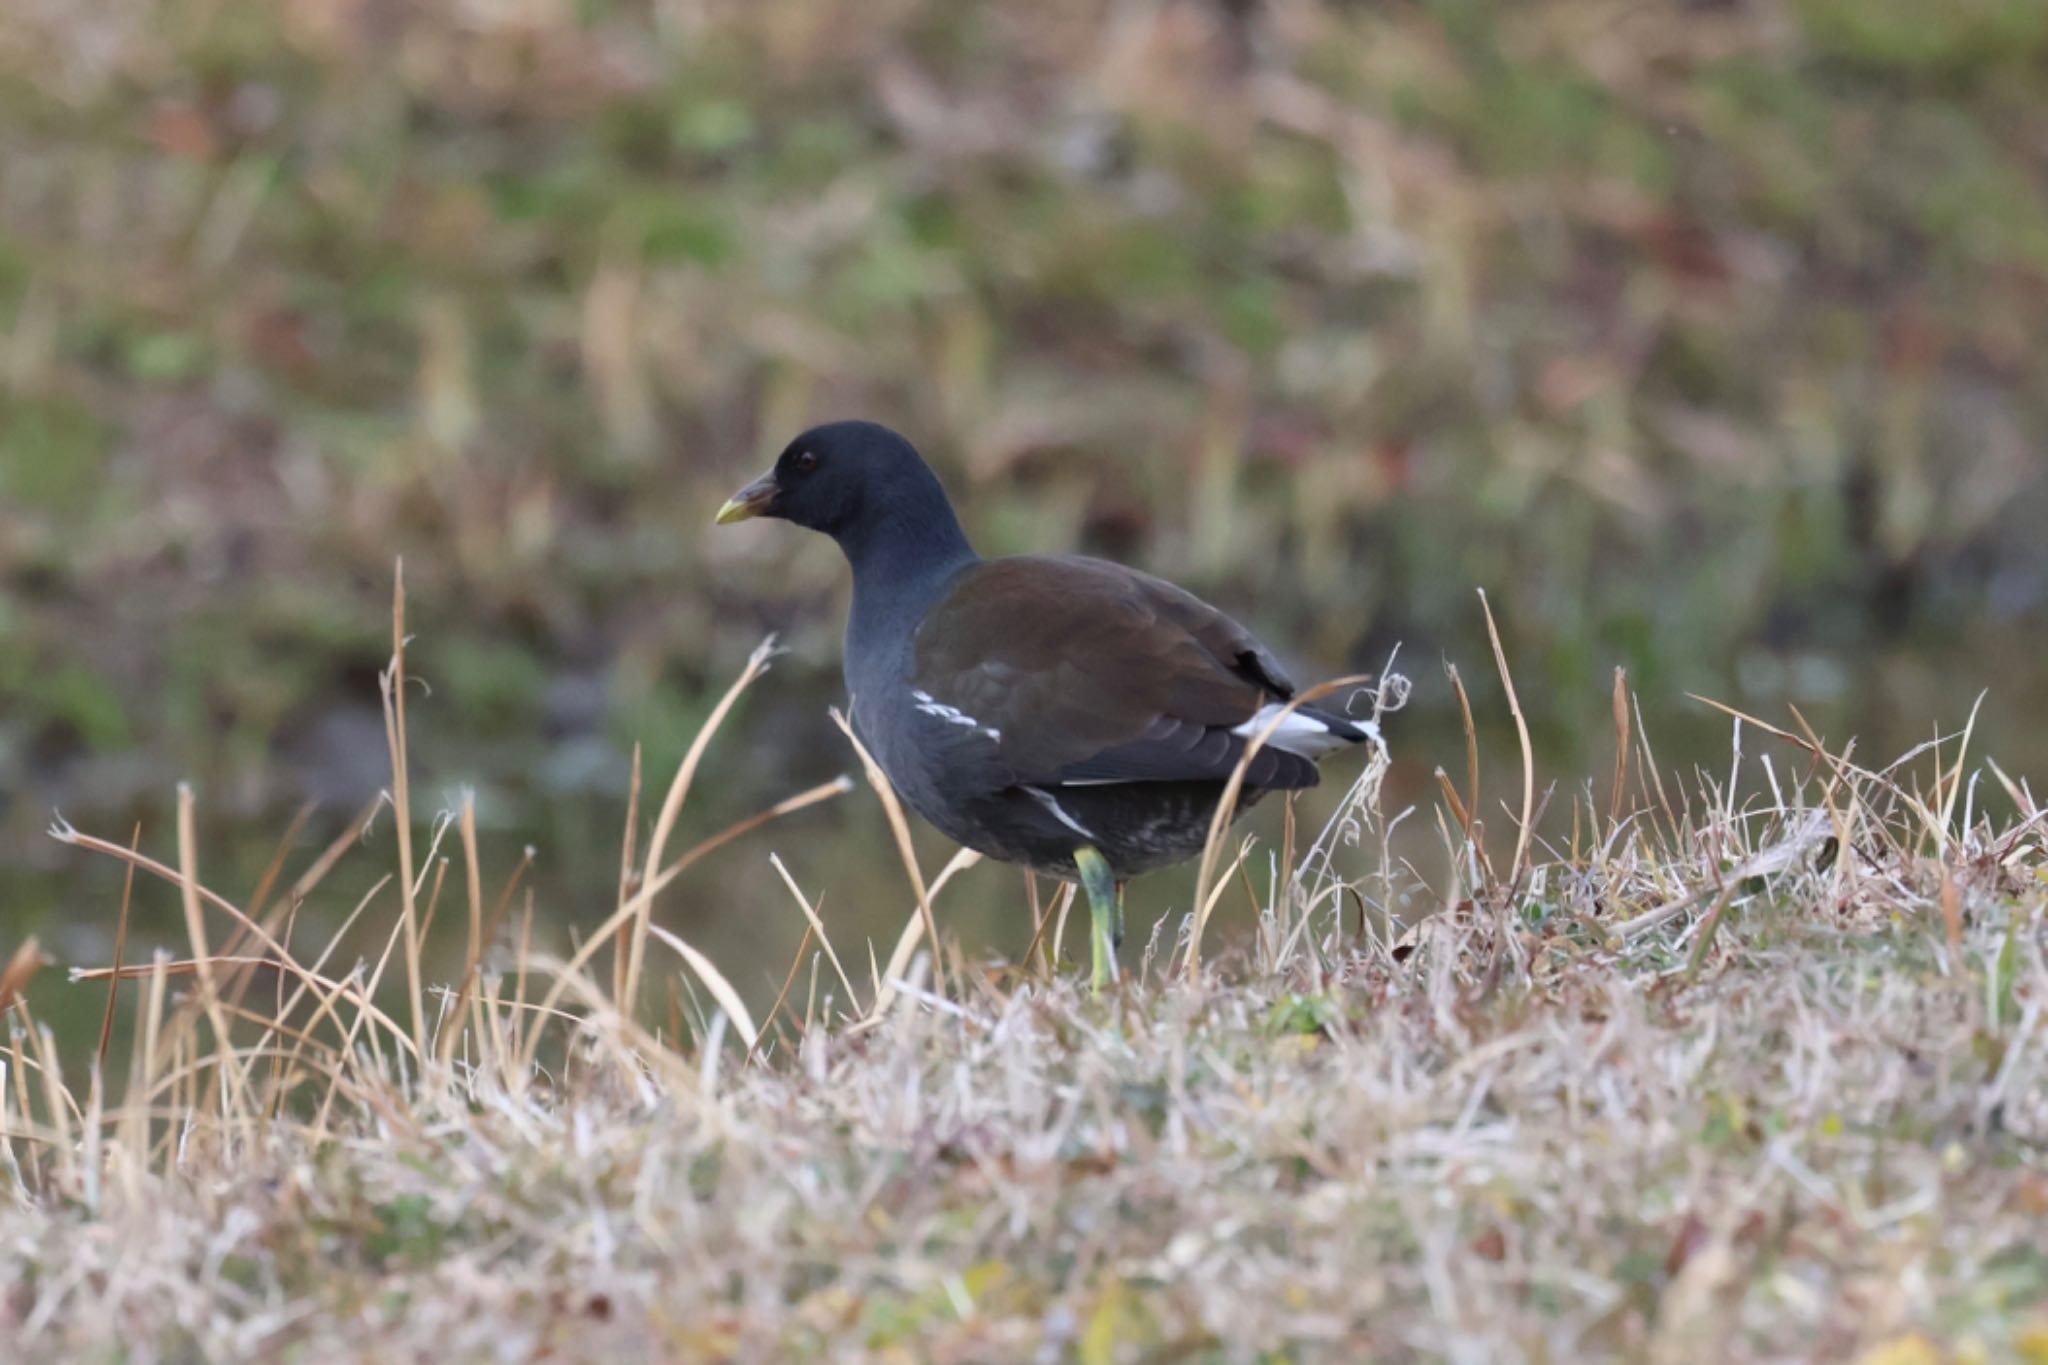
{"points": [[1095, 673]]}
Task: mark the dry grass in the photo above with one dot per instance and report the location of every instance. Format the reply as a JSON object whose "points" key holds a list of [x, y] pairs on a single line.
{"points": [[1720, 1077]]}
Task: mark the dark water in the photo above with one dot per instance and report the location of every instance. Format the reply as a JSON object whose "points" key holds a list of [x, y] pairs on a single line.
{"points": [[566, 801]]}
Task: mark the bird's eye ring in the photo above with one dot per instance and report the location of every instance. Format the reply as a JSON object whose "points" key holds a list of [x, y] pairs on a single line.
{"points": [[806, 462]]}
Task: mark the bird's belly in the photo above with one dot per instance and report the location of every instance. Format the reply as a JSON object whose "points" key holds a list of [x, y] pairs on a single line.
{"points": [[1138, 827], [1141, 826], [937, 771], [951, 775]]}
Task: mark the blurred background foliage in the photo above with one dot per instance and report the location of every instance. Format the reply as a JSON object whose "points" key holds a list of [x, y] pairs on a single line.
{"points": [[1707, 336]]}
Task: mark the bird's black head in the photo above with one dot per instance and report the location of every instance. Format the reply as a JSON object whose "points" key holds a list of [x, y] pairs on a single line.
{"points": [[843, 478]]}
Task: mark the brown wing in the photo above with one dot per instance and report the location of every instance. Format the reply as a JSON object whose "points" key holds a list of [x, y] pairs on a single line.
{"points": [[1092, 672]]}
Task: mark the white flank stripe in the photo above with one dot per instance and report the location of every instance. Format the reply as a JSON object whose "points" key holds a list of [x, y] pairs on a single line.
{"points": [[932, 706], [1051, 803]]}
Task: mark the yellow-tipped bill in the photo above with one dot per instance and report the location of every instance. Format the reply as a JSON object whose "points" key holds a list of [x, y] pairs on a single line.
{"points": [[752, 501]]}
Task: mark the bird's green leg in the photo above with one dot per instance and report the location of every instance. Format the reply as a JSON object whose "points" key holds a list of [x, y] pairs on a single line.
{"points": [[1120, 913], [1103, 913]]}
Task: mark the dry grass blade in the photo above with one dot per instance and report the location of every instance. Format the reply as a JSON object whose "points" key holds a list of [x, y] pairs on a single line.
{"points": [[1205, 906], [914, 928], [1056, 915], [1661, 915], [65, 834], [473, 887], [1457, 805], [1807, 742], [789, 805], [1523, 827], [1703, 941], [163, 966], [315, 874], [671, 811], [143, 1059], [1468, 809], [607, 931], [629, 876], [172, 966], [277, 918], [473, 960], [1031, 898], [392, 684], [815, 925], [714, 981], [439, 862], [900, 828], [259, 898], [1226, 806], [1951, 910], [1650, 779], [230, 1071], [1955, 779], [120, 945], [774, 1016], [62, 1109], [1847, 773], [2014, 791], [27, 960], [1621, 747]]}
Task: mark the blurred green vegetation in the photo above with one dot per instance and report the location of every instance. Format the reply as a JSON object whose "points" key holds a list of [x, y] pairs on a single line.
{"points": [[1707, 337]]}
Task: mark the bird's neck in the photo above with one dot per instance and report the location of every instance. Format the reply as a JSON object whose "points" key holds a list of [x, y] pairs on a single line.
{"points": [[902, 561]]}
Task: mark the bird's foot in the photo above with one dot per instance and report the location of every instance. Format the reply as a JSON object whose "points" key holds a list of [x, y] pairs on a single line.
{"points": [[1104, 914]]}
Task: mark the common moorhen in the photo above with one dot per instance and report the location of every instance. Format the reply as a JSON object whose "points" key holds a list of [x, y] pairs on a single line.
{"points": [[1069, 714]]}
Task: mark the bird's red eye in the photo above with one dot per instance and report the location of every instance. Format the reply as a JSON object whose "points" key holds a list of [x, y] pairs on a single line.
{"points": [[806, 462]]}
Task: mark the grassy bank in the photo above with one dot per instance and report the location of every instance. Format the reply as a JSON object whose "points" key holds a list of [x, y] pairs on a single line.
{"points": [[1704, 337], [1705, 1076]]}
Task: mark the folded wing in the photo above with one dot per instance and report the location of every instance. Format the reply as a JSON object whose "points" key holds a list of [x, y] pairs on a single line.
{"points": [[1092, 673]]}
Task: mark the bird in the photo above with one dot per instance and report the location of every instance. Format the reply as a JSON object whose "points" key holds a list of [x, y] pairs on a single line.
{"points": [[1069, 714]]}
